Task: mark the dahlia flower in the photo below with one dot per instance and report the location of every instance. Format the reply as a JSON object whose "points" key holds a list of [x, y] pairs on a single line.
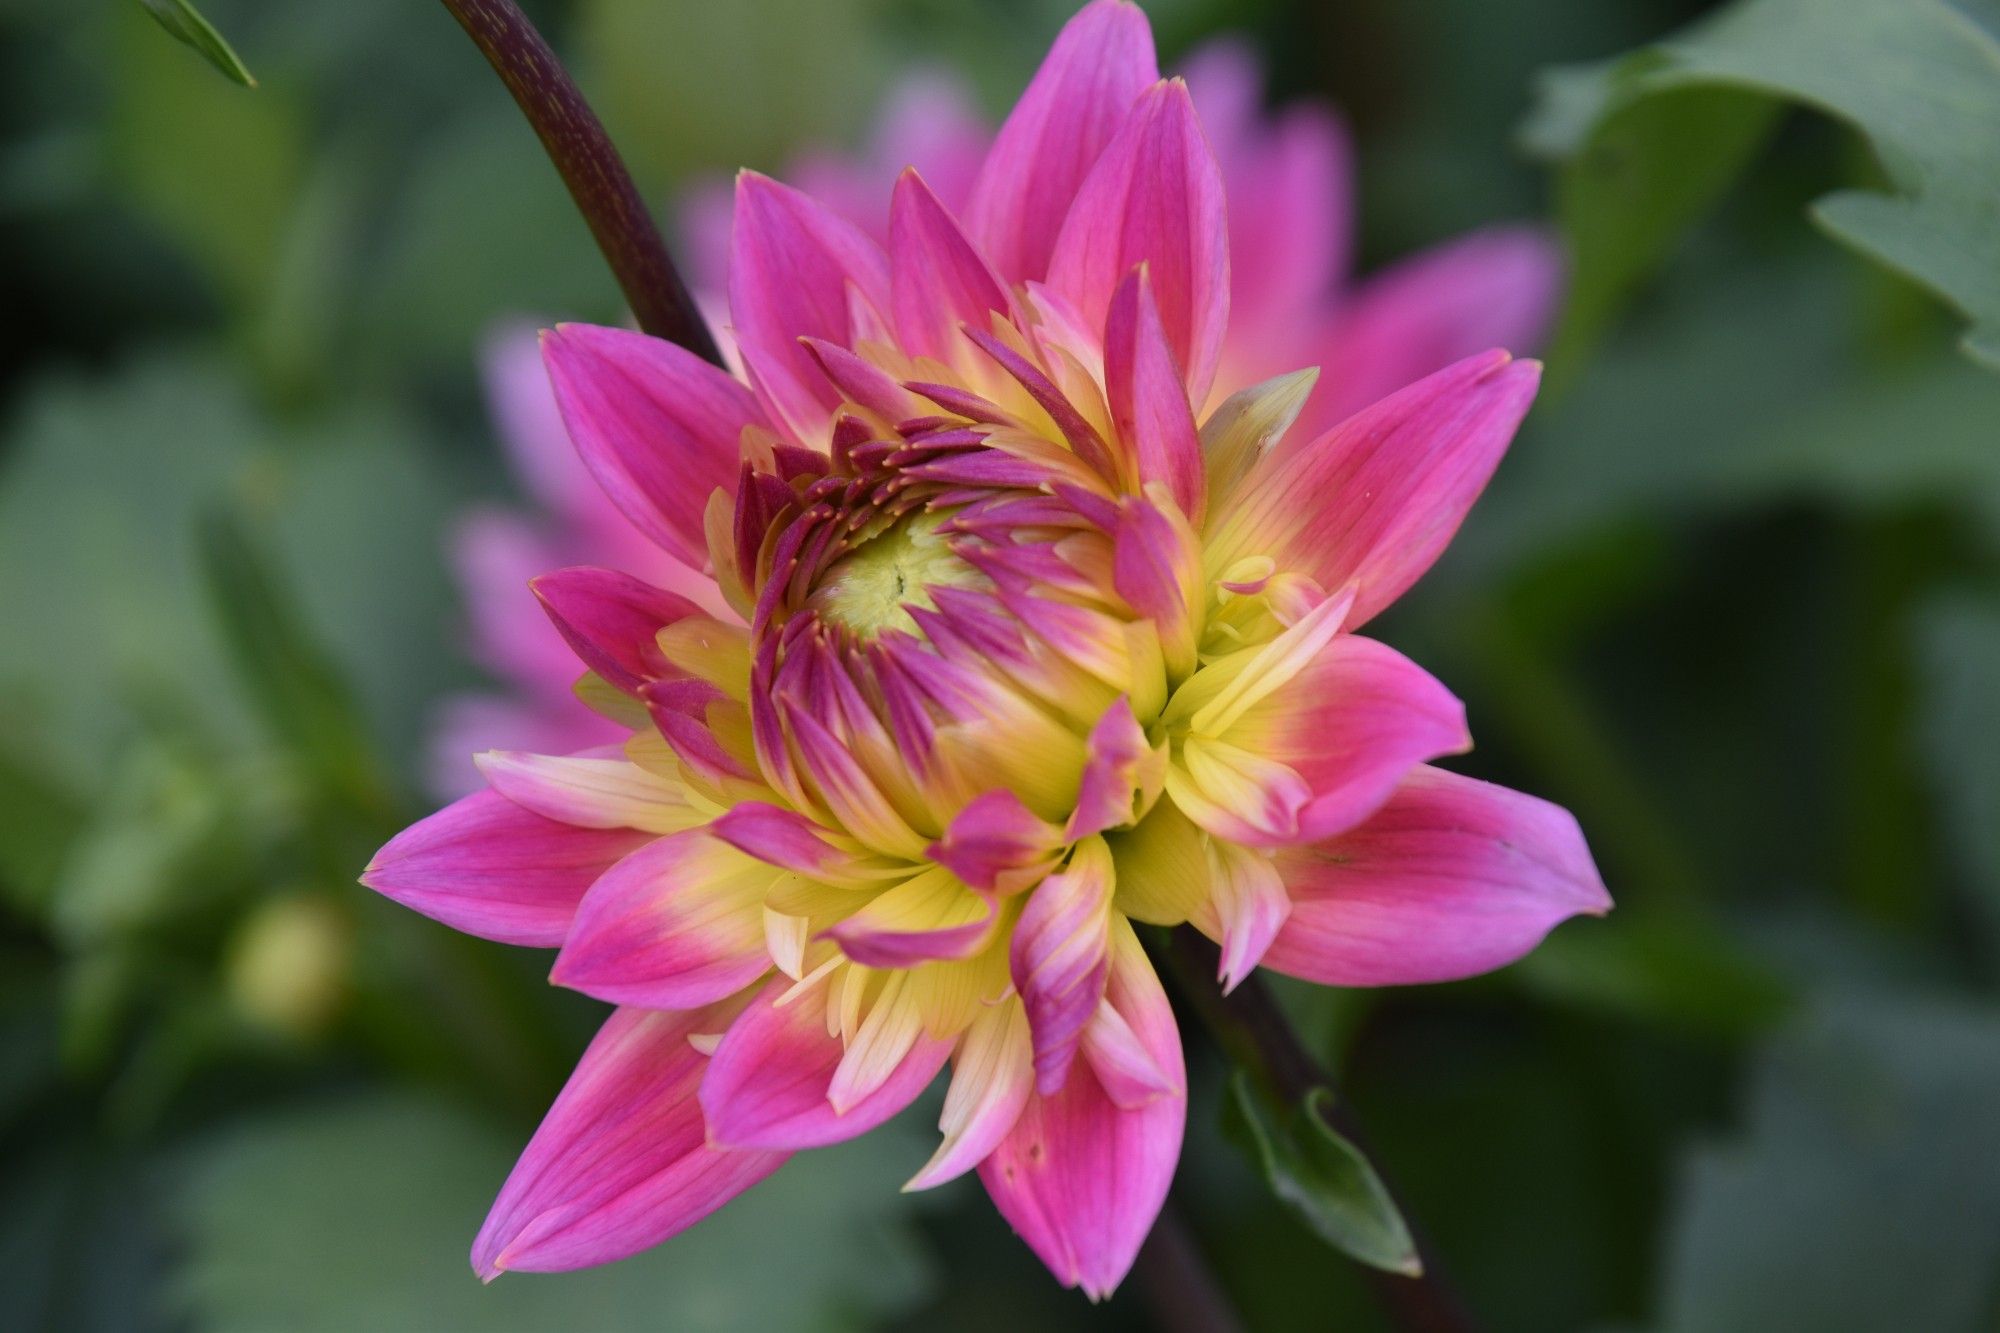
{"points": [[1012, 641], [1290, 306]]}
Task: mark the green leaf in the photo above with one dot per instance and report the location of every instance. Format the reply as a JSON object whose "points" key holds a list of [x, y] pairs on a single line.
{"points": [[1637, 177], [218, 174], [303, 699], [448, 263], [1862, 1194], [80, 1233], [1677, 970], [38, 821], [1321, 1176], [694, 87], [99, 481], [105, 481], [185, 22], [1646, 142], [1958, 644], [359, 1214], [167, 835], [1740, 391]]}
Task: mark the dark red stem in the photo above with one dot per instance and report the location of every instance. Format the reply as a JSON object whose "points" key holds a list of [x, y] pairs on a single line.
{"points": [[597, 179]]}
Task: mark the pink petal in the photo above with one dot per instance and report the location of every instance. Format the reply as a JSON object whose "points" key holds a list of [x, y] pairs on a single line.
{"points": [[768, 1084], [1353, 723], [930, 123], [612, 621], [1126, 1067], [782, 837], [487, 867], [592, 791], [1376, 499], [494, 555], [621, 1161], [928, 918], [1100, 63], [529, 423], [795, 270], [1149, 403], [926, 122], [675, 925], [1154, 198], [1122, 773], [1156, 568], [469, 723], [1453, 877], [1081, 1178], [938, 281], [1493, 288], [1291, 228], [1060, 956], [992, 1077], [656, 425], [1250, 905], [523, 406], [864, 383], [997, 844]]}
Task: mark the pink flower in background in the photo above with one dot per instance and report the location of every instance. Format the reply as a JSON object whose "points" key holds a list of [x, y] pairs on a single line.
{"points": [[1291, 305], [1008, 640]]}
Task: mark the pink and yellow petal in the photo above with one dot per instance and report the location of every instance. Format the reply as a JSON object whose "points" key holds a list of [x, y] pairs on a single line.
{"points": [[494, 869], [1059, 957], [1352, 724], [992, 1077], [1374, 501], [930, 917], [1100, 63], [612, 621], [769, 1081], [1451, 878], [1154, 198], [591, 792], [675, 925], [621, 1162], [796, 270], [656, 425], [1081, 1178]]}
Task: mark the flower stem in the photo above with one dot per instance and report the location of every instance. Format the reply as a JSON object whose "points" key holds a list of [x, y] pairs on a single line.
{"points": [[1251, 1028], [597, 179]]}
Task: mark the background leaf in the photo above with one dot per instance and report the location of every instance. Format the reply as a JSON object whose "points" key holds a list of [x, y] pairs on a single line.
{"points": [[1322, 1177], [1917, 78], [1958, 643], [185, 22], [399, 1187], [1863, 1195]]}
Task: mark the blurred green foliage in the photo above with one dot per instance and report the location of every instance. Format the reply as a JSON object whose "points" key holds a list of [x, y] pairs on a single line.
{"points": [[1646, 141], [185, 22], [1735, 599]]}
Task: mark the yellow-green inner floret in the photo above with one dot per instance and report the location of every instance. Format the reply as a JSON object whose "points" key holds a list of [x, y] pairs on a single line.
{"points": [[869, 590]]}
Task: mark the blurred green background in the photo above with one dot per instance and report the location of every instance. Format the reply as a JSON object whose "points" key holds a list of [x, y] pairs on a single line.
{"points": [[1734, 599]]}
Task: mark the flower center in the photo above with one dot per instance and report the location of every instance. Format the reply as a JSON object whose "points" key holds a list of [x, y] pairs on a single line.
{"points": [[869, 589]]}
